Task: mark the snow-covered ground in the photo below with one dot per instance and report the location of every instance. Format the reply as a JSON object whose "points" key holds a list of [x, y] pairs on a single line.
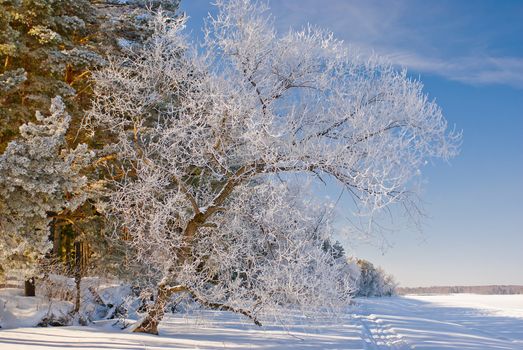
{"points": [[19, 311], [501, 305], [457, 321], [463, 322]]}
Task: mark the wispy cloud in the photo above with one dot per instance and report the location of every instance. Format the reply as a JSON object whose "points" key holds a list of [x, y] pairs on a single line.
{"points": [[476, 70], [424, 37]]}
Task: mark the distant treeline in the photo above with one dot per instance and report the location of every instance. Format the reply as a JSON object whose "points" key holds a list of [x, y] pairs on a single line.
{"points": [[494, 289]]}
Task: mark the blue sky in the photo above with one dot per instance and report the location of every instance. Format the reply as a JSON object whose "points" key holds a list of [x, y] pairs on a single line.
{"points": [[469, 55]]}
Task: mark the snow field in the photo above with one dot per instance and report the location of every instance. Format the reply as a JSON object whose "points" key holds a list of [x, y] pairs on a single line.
{"points": [[443, 322]]}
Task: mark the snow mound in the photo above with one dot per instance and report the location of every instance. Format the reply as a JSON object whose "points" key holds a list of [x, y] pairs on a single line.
{"points": [[17, 310]]}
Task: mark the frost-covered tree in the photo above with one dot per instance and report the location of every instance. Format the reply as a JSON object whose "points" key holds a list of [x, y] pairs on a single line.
{"points": [[39, 178], [213, 146], [373, 281]]}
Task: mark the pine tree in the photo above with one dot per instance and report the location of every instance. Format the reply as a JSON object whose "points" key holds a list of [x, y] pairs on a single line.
{"points": [[46, 51], [50, 48], [41, 177]]}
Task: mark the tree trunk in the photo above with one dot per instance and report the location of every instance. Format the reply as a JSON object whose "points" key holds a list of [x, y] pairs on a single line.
{"points": [[77, 274], [155, 314], [77, 281], [57, 239], [29, 287]]}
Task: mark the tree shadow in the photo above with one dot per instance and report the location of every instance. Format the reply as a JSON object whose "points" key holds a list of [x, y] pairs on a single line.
{"points": [[431, 326]]}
